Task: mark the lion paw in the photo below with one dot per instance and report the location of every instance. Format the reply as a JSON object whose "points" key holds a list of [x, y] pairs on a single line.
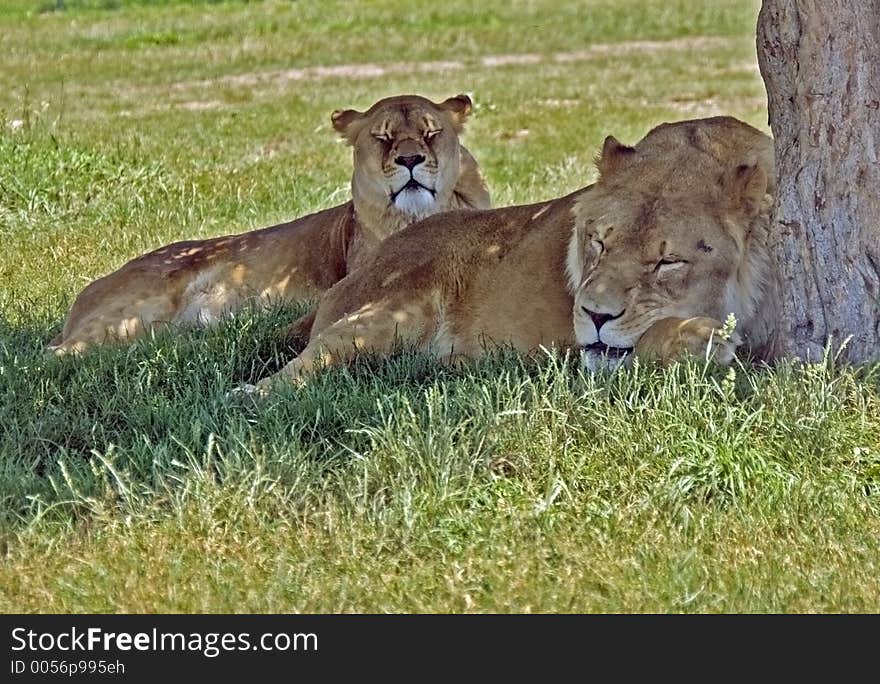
{"points": [[243, 390], [264, 387], [291, 374], [673, 338]]}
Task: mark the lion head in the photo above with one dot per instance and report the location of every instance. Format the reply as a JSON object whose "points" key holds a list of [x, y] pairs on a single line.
{"points": [[408, 162], [674, 227]]}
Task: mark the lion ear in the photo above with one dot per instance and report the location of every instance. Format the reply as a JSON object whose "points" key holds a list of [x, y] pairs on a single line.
{"points": [[746, 188], [614, 156], [459, 107], [344, 121]]}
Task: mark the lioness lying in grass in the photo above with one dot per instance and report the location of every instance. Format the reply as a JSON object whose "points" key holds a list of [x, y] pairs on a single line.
{"points": [[408, 164]]}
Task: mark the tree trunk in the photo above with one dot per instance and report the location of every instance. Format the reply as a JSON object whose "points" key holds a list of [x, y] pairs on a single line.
{"points": [[820, 60]]}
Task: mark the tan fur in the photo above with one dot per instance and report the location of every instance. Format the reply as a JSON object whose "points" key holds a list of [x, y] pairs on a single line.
{"points": [[201, 281], [454, 283], [670, 338]]}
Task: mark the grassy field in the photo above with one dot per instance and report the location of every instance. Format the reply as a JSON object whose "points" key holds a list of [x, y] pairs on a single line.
{"points": [[128, 482]]}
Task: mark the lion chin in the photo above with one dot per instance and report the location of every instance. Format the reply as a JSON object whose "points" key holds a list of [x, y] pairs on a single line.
{"points": [[405, 142], [415, 200], [599, 358]]}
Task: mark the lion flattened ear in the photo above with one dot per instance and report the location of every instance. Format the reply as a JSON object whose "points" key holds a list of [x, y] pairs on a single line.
{"points": [[614, 156], [459, 108], [344, 121], [745, 187]]}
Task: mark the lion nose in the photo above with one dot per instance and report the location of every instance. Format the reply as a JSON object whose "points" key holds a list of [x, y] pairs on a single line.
{"points": [[410, 161], [600, 319]]}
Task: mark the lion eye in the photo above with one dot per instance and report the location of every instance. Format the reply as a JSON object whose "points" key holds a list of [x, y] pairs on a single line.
{"points": [[383, 136], [430, 135], [598, 245], [668, 264]]}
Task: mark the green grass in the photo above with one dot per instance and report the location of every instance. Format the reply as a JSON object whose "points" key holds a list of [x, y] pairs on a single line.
{"points": [[128, 482]]}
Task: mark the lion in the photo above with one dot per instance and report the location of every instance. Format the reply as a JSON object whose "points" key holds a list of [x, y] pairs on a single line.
{"points": [[408, 164], [648, 261]]}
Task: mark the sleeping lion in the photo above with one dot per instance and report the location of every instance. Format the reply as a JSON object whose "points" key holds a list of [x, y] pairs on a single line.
{"points": [[648, 261], [408, 164]]}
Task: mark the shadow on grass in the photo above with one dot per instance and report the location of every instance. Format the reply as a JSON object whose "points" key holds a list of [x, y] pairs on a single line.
{"points": [[143, 414]]}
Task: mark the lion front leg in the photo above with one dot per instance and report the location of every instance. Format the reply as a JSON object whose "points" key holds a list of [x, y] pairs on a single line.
{"points": [[671, 339], [375, 328]]}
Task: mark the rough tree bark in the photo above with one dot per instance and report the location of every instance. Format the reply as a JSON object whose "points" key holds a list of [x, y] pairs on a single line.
{"points": [[820, 60]]}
